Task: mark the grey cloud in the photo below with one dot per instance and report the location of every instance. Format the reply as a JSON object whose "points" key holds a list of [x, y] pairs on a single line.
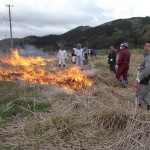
{"points": [[40, 20]]}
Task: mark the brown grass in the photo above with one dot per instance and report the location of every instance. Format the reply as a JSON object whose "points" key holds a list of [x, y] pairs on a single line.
{"points": [[100, 117]]}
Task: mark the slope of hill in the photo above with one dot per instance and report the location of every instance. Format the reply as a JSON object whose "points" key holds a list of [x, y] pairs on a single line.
{"points": [[134, 30]]}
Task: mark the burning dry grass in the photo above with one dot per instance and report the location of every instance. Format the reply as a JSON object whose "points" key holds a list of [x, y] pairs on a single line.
{"points": [[100, 117], [35, 70]]}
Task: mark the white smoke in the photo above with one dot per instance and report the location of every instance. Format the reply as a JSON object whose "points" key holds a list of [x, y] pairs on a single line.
{"points": [[31, 50]]}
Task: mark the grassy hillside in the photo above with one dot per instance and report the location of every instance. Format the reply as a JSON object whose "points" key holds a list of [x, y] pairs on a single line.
{"points": [[100, 117], [135, 31]]}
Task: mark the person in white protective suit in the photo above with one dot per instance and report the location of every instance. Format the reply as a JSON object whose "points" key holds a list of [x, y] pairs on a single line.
{"points": [[62, 55], [79, 56]]}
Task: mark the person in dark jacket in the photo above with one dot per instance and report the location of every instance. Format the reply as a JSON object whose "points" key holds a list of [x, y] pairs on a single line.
{"points": [[73, 56], [143, 79], [112, 59], [94, 52], [122, 66], [91, 53]]}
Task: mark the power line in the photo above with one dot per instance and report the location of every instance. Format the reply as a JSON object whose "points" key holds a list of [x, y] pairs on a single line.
{"points": [[6, 24], [11, 40], [2, 19], [2, 16]]}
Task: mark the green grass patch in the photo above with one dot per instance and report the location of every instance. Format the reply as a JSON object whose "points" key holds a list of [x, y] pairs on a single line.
{"points": [[53, 53], [23, 101], [24, 108], [136, 51], [103, 52], [42, 106], [101, 65], [10, 92]]}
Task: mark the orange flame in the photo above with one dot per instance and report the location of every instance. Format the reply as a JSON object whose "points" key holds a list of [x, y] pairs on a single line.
{"points": [[16, 60], [31, 70]]}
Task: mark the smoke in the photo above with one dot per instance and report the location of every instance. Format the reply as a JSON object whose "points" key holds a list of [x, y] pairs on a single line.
{"points": [[91, 72], [31, 50]]}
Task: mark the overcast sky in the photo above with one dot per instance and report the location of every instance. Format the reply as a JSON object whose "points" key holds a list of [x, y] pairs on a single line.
{"points": [[44, 17]]}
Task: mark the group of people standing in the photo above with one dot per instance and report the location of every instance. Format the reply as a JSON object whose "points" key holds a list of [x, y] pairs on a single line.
{"points": [[79, 56], [120, 67]]}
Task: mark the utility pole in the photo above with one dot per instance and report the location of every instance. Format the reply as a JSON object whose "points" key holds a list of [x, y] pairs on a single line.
{"points": [[11, 40]]}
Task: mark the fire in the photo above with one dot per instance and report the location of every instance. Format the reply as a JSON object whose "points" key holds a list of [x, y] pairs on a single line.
{"points": [[35, 70], [16, 60], [73, 79]]}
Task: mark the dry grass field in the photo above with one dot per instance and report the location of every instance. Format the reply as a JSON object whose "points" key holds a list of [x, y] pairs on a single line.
{"points": [[99, 117]]}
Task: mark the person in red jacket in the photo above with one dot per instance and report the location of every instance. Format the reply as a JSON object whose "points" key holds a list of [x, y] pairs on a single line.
{"points": [[122, 66]]}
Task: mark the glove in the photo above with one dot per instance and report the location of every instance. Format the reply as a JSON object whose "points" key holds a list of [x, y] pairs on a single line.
{"points": [[136, 86], [138, 80], [111, 59], [116, 67]]}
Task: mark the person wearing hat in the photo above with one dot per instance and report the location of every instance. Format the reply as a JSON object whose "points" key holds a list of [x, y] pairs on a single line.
{"points": [[122, 65]]}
